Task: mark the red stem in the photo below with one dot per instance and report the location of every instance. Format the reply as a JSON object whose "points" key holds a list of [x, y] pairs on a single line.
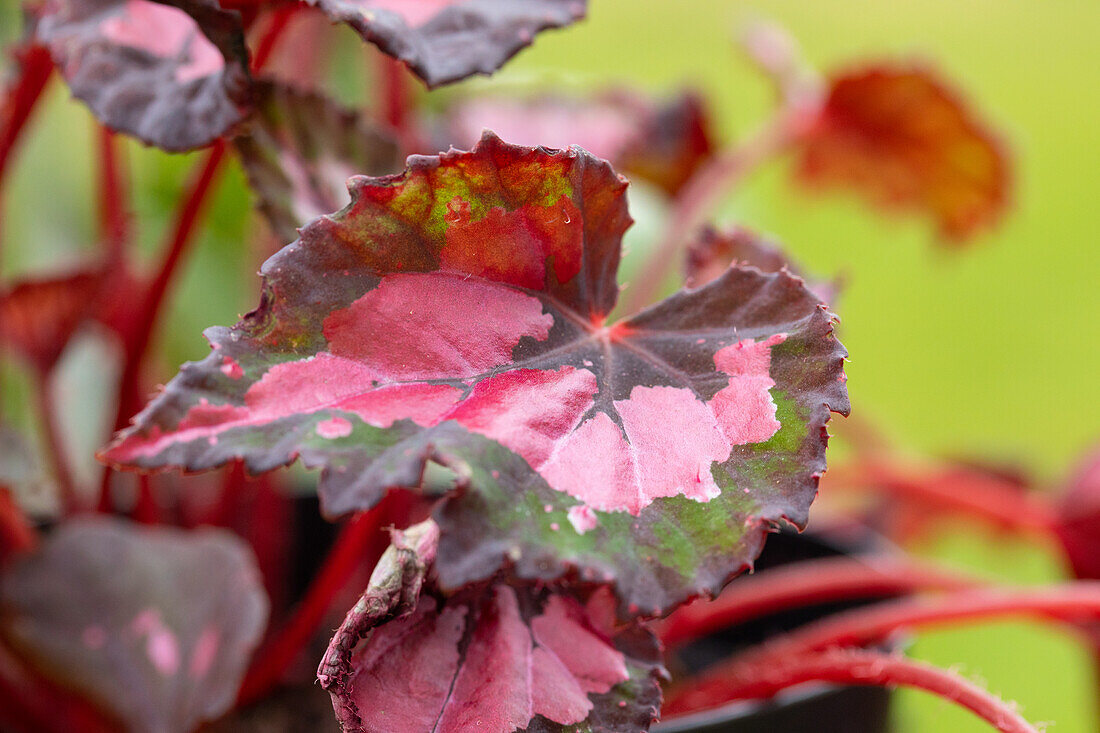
{"points": [[361, 543], [969, 493], [16, 533], [35, 69], [31, 703], [803, 584], [845, 667], [156, 292], [1077, 602], [701, 194], [113, 197], [266, 45], [55, 449]]}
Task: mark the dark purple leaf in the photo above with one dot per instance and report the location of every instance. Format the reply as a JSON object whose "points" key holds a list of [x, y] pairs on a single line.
{"points": [[456, 315], [174, 74], [299, 151], [155, 625], [444, 41], [712, 252]]}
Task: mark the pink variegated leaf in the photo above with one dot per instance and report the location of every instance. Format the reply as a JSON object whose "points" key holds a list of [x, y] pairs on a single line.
{"points": [[172, 73], [443, 41], [456, 315], [155, 626], [495, 659]]}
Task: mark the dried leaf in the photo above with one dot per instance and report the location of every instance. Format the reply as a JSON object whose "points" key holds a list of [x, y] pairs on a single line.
{"points": [[444, 41], [172, 73], [300, 150], [456, 314], [155, 625], [904, 139]]}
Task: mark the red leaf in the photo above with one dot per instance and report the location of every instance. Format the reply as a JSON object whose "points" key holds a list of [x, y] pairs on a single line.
{"points": [[903, 138], [38, 317]]}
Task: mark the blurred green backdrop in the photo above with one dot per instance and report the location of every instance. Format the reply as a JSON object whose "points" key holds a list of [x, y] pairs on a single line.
{"points": [[991, 351]]}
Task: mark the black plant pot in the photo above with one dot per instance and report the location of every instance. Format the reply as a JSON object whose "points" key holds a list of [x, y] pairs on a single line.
{"points": [[806, 709]]}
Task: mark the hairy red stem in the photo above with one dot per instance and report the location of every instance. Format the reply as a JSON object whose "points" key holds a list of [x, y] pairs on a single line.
{"points": [[113, 196], [1076, 603], [361, 543], [803, 584], [969, 493], [844, 667]]}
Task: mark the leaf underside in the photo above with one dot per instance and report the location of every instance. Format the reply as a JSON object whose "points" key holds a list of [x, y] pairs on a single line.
{"points": [[299, 151], [905, 140], [155, 625], [174, 74], [443, 41], [455, 315]]}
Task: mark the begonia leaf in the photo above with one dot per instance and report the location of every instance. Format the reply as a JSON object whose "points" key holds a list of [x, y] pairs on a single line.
{"points": [[443, 41], [154, 625], [904, 139], [713, 251], [39, 316], [456, 314], [499, 659], [300, 150], [660, 142], [173, 73]]}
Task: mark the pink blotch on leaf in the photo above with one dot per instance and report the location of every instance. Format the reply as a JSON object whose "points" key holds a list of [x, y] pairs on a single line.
{"points": [[673, 440], [528, 410], [167, 33], [404, 672], [492, 689], [205, 652], [745, 409], [334, 427], [595, 664], [231, 368], [435, 325], [94, 637], [582, 518], [414, 12], [161, 645]]}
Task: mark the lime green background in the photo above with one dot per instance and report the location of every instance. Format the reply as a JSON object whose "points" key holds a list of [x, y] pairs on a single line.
{"points": [[990, 351]]}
